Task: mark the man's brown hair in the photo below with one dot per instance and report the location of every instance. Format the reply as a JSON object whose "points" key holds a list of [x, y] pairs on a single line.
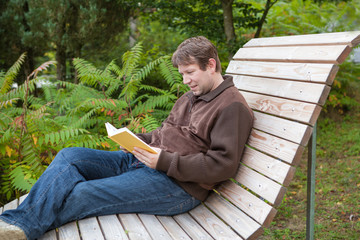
{"points": [[196, 50]]}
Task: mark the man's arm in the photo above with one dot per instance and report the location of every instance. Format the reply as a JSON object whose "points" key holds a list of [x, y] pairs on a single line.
{"points": [[228, 138], [146, 137]]}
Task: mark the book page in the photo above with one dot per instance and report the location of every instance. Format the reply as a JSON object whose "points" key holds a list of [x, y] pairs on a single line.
{"points": [[127, 139]]}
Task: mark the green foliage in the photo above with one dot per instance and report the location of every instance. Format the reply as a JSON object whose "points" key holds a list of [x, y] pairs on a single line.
{"points": [[34, 128]]}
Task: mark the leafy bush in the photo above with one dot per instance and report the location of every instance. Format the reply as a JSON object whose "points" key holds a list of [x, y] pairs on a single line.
{"points": [[33, 129]]}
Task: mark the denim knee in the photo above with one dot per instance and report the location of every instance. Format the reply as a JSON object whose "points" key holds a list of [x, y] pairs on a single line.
{"points": [[67, 155]]}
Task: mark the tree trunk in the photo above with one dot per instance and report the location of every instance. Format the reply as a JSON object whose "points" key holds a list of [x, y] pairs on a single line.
{"points": [[228, 20], [60, 50], [269, 4], [61, 62], [133, 31]]}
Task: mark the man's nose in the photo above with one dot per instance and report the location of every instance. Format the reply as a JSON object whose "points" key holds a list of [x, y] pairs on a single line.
{"points": [[186, 79]]}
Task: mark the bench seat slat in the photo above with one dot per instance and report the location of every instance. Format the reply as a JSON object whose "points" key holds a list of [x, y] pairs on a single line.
{"points": [[301, 91], [296, 132], [268, 166], [90, 229], [239, 221], [50, 235], [154, 227], [213, 225], [191, 227], [11, 205], [295, 110], [282, 149], [69, 231], [308, 72], [111, 227], [173, 228], [133, 226], [338, 38], [261, 185], [256, 208]]}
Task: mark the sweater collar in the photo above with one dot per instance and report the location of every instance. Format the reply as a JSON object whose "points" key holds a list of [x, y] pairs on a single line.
{"points": [[228, 82]]}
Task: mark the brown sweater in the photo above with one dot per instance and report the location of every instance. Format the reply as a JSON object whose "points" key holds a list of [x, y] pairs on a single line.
{"points": [[203, 138]]}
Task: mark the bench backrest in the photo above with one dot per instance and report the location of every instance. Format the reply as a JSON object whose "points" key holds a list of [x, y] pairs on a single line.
{"points": [[286, 81]]}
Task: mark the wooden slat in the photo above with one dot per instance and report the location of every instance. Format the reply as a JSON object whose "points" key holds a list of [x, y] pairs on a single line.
{"points": [[11, 205], [256, 208], [310, 54], [286, 129], [22, 198], [268, 166], [263, 186], [175, 231], [309, 72], [90, 229], [112, 228], [339, 38], [295, 110], [282, 149], [134, 227], [301, 91], [213, 225], [154, 227], [51, 235], [191, 227], [239, 221], [69, 231]]}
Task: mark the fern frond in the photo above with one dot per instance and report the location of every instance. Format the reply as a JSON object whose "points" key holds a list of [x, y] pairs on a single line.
{"points": [[41, 68], [20, 91], [21, 178], [7, 79], [90, 75], [63, 135], [150, 123], [8, 103], [130, 90], [131, 59], [84, 119], [172, 77], [144, 71], [6, 136], [91, 141]]}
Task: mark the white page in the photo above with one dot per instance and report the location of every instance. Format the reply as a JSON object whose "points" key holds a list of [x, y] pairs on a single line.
{"points": [[111, 130]]}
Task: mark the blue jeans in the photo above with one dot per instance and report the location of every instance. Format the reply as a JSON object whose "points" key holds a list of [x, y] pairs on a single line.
{"points": [[83, 182]]}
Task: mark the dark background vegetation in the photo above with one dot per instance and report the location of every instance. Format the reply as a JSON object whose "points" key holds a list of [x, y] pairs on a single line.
{"points": [[112, 64]]}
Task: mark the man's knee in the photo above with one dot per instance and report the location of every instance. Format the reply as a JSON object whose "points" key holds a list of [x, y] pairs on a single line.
{"points": [[67, 155]]}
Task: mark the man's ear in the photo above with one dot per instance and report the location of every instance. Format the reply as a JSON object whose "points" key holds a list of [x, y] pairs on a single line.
{"points": [[212, 64]]}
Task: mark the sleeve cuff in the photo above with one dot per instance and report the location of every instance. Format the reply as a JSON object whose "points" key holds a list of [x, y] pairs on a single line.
{"points": [[164, 161]]}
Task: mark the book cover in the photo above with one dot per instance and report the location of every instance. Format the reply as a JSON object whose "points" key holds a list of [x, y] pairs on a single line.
{"points": [[125, 138]]}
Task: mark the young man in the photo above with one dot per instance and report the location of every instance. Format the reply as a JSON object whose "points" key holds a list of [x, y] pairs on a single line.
{"points": [[198, 146]]}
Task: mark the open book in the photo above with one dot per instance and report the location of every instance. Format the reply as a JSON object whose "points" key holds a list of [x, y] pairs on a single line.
{"points": [[125, 138]]}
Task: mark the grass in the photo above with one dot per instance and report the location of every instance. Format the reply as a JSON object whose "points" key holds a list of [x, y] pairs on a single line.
{"points": [[337, 211]]}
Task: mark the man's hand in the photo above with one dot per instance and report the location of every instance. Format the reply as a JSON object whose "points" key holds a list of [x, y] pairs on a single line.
{"points": [[149, 159]]}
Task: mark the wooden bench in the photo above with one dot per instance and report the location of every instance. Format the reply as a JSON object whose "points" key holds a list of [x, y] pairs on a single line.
{"points": [[286, 81]]}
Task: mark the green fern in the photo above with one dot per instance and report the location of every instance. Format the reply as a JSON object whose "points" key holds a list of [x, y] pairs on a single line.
{"points": [[7, 79]]}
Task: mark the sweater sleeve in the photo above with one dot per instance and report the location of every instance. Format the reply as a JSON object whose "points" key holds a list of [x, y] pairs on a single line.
{"points": [[146, 137], [228, 137]]}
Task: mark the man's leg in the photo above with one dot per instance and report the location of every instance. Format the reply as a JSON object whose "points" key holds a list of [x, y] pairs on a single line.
{"points": [[70, 167], [141, 190]]}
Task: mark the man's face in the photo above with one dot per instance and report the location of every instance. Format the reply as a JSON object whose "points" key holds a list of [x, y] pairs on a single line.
{"points": [[199, 81]]}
